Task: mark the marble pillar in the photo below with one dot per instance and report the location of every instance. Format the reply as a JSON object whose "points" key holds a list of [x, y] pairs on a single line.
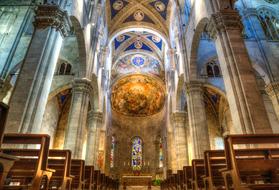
{"points": [[198, 140], [94, 120], [273, 91], [76, 129], [245, 100], [29, 98], [180, 136]]}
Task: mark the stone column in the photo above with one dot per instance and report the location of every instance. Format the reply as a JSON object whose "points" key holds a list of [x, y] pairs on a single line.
{"points": [[94, 120], [245, 101], [273, 91], [198, 132], [76, 128], [179, 128], [29, 98]]}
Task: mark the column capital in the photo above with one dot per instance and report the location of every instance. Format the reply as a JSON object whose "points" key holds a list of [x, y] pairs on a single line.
{"points": [[82, 85], [179, 117], [96, 115], [250, 12], [194, 86], [222, 21], [52, 16], [272, 89]]}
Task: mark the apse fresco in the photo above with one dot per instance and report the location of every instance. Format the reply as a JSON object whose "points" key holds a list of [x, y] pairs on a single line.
{"points": [[137, 63], [138, 95]]}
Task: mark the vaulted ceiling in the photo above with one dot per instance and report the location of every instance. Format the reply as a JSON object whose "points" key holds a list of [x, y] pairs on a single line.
{"points": [[152, 14]]}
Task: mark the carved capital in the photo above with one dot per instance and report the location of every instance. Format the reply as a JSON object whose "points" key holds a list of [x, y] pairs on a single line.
{"points": [[179, 117], [82, 85], [96, 116], [250, 12], [52, 16], [223, 21], [194, 86], [272, 89]]}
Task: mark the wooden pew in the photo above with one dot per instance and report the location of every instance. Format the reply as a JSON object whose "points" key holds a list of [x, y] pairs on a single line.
{"points": [[97, 179], [6, 161], [78, 173], [89, 177], [31, 168], [215, 161], [187, 171], [60, 161], [254, 168], [197, 174], [181, 181]]}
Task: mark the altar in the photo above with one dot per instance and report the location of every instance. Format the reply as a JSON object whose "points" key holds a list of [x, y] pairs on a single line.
{"points": [[136, 181]]}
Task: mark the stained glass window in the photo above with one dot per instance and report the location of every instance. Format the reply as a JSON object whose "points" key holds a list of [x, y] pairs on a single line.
{"points": [[137, 154], [161, 158], [112, 151]]}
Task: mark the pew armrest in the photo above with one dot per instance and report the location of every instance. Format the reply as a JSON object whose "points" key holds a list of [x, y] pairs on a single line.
{"points": [[225, 171]]}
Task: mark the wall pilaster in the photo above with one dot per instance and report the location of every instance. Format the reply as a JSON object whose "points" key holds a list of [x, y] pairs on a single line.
{"points": [[180, 135], [76, 129], [198, 140], [94, 120]]}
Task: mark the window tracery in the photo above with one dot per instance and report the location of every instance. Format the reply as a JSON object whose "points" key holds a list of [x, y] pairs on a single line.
{"points": [[112, 151], [65, 69], [270, 24], [161, 158], [213, 69], [136, 154]]}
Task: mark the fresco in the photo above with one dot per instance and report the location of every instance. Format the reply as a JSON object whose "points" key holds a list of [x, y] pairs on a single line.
{"points": [[137, 63], [138, 95]]}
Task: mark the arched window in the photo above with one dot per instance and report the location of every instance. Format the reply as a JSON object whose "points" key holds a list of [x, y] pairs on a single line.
{"points": [[213, 69], [270, 24], [65, 69], [187, 10], [112, 151], [161, 158], [136, 154]]}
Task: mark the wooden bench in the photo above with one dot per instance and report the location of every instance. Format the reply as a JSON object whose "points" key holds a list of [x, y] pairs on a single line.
{"points": [[6, 161], [97, 179], [197, 174], [78, 173], [31, 168], [215, 161], [60, 160], [253, 168], [187, 171], [89, 177]]}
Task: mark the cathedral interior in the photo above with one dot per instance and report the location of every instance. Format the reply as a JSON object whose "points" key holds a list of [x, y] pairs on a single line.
{"points": [[137, 88]]}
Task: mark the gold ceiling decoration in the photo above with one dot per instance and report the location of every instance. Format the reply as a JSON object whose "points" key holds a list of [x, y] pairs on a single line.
{"points": [[138, 95]]}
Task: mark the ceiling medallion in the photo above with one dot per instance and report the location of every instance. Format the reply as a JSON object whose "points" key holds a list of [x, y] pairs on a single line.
{"points": [[159, 6], [138, 60], [139, 15], [120, 38], [138, 44], [155, 39], [118, 5]]}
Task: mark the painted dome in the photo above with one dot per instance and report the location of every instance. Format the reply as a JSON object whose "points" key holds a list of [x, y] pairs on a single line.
{"points": [[138, 95]]}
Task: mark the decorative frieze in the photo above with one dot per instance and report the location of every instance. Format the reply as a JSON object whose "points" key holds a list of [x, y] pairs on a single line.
{"points": [[52, 16], [223, 21]]}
